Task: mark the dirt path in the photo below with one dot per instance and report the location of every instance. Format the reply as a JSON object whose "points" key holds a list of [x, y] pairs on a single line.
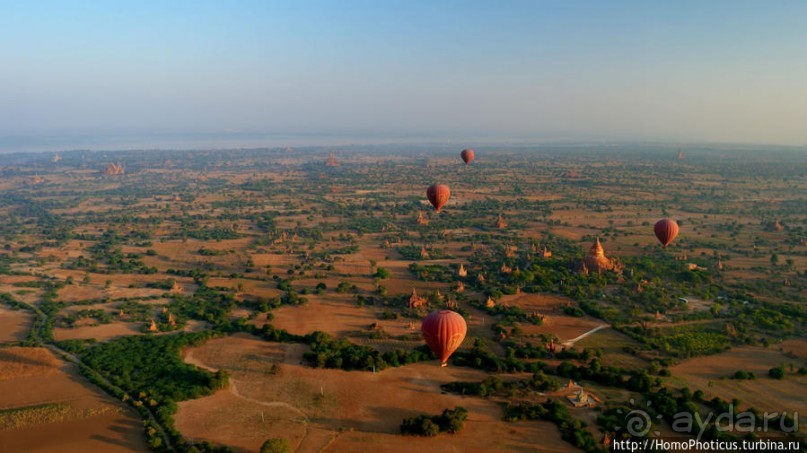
{"points": [[233, 388], [40, 323], [570, 343]]}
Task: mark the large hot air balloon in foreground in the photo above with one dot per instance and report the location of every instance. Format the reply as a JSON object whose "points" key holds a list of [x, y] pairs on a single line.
{"points": [[444, 331], [438, 195], [666, 230], [467, 156]]}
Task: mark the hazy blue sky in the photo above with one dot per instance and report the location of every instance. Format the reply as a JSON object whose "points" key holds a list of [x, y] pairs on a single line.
{"points": [[679, 70]]}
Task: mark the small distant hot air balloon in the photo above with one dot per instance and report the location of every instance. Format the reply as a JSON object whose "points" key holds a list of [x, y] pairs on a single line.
{"points": [[438, 195], [444, 331], [467, 156], [666, 230]]}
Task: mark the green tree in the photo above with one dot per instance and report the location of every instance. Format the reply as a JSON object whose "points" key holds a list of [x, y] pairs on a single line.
{"points": [[381, 273], [276, 445]]}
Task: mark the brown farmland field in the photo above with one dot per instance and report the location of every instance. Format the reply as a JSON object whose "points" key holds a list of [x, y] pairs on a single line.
{"points": [[90, 420], [14, 324], [228, 241], [711, 375], [339, 410]]}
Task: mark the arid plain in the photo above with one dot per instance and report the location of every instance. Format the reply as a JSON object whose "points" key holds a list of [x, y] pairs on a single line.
{"points": [[205, 301]]}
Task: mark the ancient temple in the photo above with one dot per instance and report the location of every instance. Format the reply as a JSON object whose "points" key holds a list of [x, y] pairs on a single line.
{"points": [[422, 220], [596, 261], [461, 271], [583, 399], [34, 180], [113, 169], [331, 162], [500, 223], [490, 303], [153, 326], [416, 301], [176, 288], [460, 287]]}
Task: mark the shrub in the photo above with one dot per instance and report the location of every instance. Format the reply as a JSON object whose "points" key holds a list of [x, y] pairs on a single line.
{"points": [[742, 374], [276, 445], [450, 421]]}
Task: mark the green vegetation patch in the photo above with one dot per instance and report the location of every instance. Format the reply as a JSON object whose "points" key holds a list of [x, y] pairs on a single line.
{"points": [[450, 421], [153, 364]]}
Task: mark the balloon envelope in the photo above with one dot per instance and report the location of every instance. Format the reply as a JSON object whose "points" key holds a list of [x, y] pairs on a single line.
{"points": [[438, 195], [444, 331], [467, 156], [666, 230]]}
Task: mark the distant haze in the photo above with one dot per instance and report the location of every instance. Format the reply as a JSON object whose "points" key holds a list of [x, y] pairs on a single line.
{"points": [[151, 74]]}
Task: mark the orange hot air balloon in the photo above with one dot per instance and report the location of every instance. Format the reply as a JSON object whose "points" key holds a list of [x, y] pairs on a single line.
{"points": [[438, 195], [666, 230], [467, 156], [444, 331]]}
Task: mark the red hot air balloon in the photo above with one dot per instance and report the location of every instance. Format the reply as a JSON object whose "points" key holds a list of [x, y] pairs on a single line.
{"points": [[467, 156], [438, 195], [666, 230], [444, 331]]}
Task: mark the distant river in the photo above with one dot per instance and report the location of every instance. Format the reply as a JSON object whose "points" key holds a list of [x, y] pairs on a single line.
{"points": [[53, 143]]}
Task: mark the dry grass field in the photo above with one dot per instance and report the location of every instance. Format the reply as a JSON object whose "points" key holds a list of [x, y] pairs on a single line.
{"points": [[555, 322], [335, 315], [80, 419], [244, 230], [613, 343], [711, 375], [337, 410], [14, 324]]}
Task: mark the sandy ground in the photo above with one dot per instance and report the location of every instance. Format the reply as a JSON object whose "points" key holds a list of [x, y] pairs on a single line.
{"points": [[14, 324], [334, 410], [612, 342], [336, 315], [710, 374], [32, 376], [555, 322], [100, 332], [795, 346]]}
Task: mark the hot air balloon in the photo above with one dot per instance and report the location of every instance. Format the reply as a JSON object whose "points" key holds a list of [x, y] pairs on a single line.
{"points": [[444, 331], [666, 230], [467, 156], [438, 195]]}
